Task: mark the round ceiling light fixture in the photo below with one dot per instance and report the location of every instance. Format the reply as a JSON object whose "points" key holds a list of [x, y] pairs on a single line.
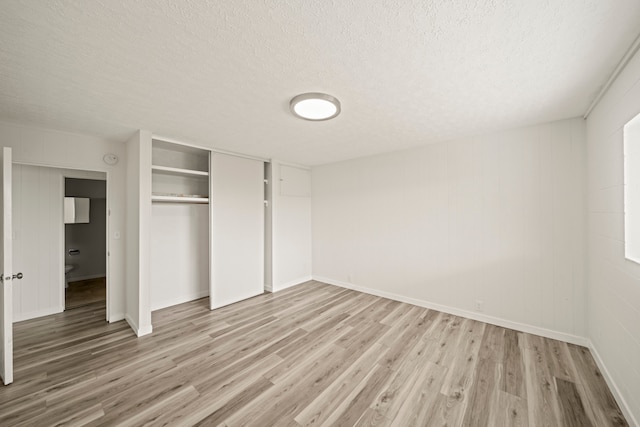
{"points": [[315, 106]]}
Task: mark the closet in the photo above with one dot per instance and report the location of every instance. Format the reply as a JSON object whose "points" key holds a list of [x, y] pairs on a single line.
{"points": [[207, 225], [180, 224]]}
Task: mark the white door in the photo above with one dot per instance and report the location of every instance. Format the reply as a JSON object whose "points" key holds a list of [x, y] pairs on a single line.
{"points": [[6, 301], [237, 229]]}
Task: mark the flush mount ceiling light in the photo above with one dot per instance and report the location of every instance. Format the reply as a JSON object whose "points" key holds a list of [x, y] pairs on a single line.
{"points": [[315, 106]]}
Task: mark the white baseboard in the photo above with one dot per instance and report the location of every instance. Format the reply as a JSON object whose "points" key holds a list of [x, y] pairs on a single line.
{"points": [[144, 331], [522, 327], [116, 317], [624, 407], [87, 277], [132, 324], [299, 281], [179, 300], [19, 317], [138, 331]]}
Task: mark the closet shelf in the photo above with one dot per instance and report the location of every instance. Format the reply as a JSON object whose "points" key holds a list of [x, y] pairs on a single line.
{"points": [[178, 171], [179, 199]]}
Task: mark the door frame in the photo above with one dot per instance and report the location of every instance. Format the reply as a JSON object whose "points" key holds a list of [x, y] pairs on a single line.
{"points": [[64, 237], [6, 287], [61, 229]]}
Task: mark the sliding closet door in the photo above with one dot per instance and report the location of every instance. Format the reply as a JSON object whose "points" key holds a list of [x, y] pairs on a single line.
{"points": [[237, 229]]}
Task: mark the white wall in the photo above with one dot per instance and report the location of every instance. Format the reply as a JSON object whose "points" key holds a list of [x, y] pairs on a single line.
{"points": [[291, 225], [496, 218], [88, 238], [73, 151], [38, 241], [138, 239], [179, 253], [614, 282]]}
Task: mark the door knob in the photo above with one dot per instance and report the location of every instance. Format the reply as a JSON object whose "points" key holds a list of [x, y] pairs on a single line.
{"points": [[18, 276]]}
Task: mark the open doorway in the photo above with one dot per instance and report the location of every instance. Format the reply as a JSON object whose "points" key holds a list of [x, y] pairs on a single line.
{"points": [[85, 213], [39, 235]]}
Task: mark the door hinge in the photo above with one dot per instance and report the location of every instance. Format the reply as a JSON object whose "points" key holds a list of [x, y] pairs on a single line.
{"points": [[266, 203]]}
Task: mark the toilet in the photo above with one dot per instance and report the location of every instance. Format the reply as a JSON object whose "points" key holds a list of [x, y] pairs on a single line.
{"points": [[67, 269]]}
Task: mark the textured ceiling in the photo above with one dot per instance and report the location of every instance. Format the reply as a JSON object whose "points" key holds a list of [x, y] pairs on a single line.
{"points": [[221, 73]]}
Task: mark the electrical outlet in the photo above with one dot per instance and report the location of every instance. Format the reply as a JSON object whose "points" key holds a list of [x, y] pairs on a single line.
{"points": [[479, 304], [350, 278]]}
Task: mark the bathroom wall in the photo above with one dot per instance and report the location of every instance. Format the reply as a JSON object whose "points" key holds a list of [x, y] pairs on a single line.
{"points": [[89, 239], [38, 239]]}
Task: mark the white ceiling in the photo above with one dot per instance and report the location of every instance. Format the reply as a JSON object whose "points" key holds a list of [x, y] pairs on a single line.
{"points": [[221, 73]]}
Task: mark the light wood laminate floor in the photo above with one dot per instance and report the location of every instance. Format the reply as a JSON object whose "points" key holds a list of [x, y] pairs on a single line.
{"points": [[311, 355]]}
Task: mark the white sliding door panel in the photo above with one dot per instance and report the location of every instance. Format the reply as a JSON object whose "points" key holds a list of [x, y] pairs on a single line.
{"points": [[237, 229]]}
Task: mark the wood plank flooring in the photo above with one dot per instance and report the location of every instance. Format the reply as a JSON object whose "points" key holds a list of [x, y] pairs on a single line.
{"points": [[85, 292], [314, 354]]}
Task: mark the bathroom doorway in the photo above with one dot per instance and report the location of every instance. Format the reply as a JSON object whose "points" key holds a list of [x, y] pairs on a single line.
{"points": [[85, 254], [39, 239]]}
